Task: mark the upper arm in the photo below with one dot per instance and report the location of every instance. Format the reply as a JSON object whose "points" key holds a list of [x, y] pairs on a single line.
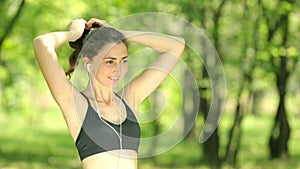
{"points": [[59, 85], [144, 84], [61, 89]]}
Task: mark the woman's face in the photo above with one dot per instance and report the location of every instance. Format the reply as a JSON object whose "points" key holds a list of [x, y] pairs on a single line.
{"points": [[112, 65]]}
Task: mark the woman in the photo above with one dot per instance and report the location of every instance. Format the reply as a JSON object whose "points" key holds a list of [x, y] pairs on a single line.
{"points": [[103, 122]]}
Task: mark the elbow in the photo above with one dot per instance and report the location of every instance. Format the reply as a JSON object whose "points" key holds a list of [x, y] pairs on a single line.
{"points": [[177, 47], [40, 46], [37, 42], [181, 41], [41, 43], [180, 47]]}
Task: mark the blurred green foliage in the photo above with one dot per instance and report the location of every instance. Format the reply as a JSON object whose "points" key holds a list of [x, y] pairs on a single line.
{"points": [[24, 93]]}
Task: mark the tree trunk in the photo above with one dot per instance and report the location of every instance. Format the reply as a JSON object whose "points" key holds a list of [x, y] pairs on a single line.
{"points": [[211, 145], [235, 134], [280, 133], [211, 150]]}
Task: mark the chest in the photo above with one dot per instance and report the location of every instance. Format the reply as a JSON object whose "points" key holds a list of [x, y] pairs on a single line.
{"points": [[114, 113], [98, 135]]}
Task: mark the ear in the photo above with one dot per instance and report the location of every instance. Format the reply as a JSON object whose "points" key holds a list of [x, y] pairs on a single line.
{"points": [[86, 61]]}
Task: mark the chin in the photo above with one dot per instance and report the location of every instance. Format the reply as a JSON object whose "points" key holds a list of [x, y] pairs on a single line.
{"points": [[114, 86]]}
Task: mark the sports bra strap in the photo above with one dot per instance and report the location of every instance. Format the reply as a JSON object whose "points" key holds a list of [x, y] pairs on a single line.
{"points": [[89, 103]]}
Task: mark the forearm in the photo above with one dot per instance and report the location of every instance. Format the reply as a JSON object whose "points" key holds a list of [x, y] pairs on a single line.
{"points": [[55, 39], [159, 42]]}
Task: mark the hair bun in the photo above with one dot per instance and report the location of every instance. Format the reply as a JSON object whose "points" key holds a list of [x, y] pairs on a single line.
{"points": [[77, 45]]}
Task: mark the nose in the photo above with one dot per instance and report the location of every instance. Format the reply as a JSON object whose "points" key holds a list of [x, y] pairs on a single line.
{"points": [[117, 68]]}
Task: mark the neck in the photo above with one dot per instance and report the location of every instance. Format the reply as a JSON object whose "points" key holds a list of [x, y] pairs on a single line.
{"points": [[101, 93]]}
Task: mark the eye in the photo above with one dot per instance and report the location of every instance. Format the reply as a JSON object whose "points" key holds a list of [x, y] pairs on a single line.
{"points": [[124, 61], [109, 62]]}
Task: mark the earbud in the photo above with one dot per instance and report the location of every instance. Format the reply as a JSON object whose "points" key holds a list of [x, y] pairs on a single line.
{"points": [[88, 67]]}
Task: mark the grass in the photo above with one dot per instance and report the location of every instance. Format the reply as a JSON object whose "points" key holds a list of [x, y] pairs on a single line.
{"points": [[44, 143], [36, 144]]}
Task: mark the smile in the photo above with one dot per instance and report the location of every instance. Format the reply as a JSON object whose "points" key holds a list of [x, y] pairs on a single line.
{"points": [[114, 78]]}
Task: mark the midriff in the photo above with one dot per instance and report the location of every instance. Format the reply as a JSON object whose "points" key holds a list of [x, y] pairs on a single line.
{"points": [[116, 159]]}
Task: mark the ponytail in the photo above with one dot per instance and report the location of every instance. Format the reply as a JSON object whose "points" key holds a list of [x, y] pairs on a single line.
{"points": [[74, 57]]}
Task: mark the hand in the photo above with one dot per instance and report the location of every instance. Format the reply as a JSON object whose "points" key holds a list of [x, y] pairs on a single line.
{"points": [[93, 22], [76, 28]]}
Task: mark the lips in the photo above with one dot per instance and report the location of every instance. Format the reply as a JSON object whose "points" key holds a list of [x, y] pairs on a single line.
{"points": [[114, 78]]}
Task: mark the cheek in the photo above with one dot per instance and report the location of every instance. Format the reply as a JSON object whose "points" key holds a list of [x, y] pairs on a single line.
{"points": [[124, 69], [103, 72]]}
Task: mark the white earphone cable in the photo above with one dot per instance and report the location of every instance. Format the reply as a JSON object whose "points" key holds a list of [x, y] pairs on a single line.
{"points": [[99, 113]]}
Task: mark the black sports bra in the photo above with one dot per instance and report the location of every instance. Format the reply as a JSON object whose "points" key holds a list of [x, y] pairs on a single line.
{"points": [[95, 136]]}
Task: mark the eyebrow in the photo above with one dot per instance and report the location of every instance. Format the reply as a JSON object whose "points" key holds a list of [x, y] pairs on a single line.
{"points": [[113, 58]]}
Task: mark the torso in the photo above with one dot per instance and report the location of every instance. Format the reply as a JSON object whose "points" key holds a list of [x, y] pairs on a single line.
{"points": [[110, 158]]}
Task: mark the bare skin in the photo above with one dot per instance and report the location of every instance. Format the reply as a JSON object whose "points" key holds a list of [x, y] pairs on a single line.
{"points": [[106, 73]]}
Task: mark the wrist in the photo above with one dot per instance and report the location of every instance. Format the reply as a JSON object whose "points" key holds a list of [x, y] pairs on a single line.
{"points": [[73, 36]]}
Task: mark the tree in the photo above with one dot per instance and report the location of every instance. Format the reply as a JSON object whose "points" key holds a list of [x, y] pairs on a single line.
{"points": [[212, 145], [283, 64], [250, 41], [6, 74]]}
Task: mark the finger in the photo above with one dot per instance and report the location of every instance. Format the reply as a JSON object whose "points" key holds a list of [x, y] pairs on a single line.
{"points": [[93, 22]]}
